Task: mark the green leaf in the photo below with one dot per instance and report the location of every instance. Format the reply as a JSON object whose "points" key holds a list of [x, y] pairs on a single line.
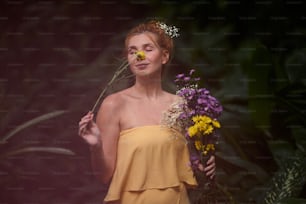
{"points": [[31, 123], [56, 150], [288, 181]]}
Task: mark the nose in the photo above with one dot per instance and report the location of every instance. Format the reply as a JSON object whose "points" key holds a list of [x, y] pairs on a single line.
{"points": [[140, 55]]}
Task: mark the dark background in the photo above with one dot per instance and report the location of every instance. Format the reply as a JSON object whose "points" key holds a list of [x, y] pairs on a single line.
{"points": [[58, 55]]}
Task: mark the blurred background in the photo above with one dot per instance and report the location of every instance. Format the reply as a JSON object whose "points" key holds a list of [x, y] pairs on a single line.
{"points": [[57, 56]]}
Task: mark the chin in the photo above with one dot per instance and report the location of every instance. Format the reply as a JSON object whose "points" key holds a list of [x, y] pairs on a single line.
{"points": [[145, 71]]}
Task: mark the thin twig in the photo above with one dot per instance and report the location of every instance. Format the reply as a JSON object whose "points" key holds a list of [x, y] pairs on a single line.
{"points": [[139, 55], [121, 68]]}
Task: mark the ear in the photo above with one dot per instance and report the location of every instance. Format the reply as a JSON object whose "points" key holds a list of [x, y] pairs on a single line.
{"points": [[165, 56]]}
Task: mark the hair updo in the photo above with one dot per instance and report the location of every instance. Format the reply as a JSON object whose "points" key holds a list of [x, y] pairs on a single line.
{"points": [[163, 40]]}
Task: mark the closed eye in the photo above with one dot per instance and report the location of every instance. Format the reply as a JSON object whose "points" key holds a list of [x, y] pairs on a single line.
{"points": [[131, 51], [149, 48]]}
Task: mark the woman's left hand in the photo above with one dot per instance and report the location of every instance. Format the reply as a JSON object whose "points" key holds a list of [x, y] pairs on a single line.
{"points": [[210, 168]]}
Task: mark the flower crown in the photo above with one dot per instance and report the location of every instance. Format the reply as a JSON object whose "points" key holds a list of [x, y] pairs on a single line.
{"points": [[171, 31]]}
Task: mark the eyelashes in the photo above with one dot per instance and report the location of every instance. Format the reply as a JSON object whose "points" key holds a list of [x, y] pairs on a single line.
{"points": [[146, 48], [133, 52]]}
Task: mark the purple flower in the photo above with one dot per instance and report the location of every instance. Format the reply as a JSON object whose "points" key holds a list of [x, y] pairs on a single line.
{"points": [[186, 79], [201, 101], [180, 76], [191, 71], [192, 112]]}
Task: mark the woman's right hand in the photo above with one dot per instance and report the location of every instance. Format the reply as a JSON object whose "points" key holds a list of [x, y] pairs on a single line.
{"points": [[89, 130]]}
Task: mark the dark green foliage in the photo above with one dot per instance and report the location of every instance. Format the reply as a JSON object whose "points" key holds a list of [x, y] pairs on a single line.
{"points": [[288, 181], [60, 55]]}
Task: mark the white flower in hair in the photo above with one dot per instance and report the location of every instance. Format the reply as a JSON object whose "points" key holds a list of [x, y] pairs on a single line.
{"points": [[172, 31]]}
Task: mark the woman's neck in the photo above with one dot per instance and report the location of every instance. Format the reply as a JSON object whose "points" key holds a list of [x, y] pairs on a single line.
{"points": [[148, 87]]}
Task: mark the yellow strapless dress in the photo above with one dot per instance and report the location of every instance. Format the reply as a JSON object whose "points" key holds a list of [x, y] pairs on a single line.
{"points": [[152, 167]]}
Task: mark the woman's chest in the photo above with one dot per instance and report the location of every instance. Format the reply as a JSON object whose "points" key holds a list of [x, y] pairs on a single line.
{"points": [[142, 113]]}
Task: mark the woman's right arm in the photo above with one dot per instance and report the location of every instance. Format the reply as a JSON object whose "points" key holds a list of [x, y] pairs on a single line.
{"points": [[106, 130]]}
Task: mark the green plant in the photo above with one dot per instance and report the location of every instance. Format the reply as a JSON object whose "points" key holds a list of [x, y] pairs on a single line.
{"points": [[288, 182], [13, 151]]}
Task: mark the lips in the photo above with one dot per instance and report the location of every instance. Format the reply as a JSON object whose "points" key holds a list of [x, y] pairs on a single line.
{"points": [[141, 65]]}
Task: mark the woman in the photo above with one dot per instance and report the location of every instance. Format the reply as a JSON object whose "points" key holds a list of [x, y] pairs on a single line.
{"points": [[144, 161]]}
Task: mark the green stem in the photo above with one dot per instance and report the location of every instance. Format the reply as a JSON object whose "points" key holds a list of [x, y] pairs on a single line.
{"points": [[121, 68]]}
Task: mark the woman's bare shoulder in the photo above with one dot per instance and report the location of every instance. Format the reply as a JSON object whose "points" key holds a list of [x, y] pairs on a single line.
{"points": [[111, 104], [172, 97], [116, 99]]}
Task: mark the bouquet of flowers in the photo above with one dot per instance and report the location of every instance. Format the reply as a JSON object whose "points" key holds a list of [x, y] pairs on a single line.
{"points": [[199, 118], [196, 116]]}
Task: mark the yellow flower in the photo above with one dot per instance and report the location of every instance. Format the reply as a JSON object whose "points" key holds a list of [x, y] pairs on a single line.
{"points": [[196, 118], [216, 124], [208, 130], [201, 119], [198, 145], [207, 148], [210, 147], [206, 119], [140, 55], [203, 124], [192, 131]]}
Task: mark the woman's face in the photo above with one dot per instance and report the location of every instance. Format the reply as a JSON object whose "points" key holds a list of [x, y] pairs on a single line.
{"points": [[155, 56]]}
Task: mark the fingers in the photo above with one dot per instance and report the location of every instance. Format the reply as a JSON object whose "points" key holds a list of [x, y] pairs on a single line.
{"points": [[85, 122], [200, 167], [88, 116], [210, 173], [211, 160], [210, 164], [83, 127], [210, 168]]}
